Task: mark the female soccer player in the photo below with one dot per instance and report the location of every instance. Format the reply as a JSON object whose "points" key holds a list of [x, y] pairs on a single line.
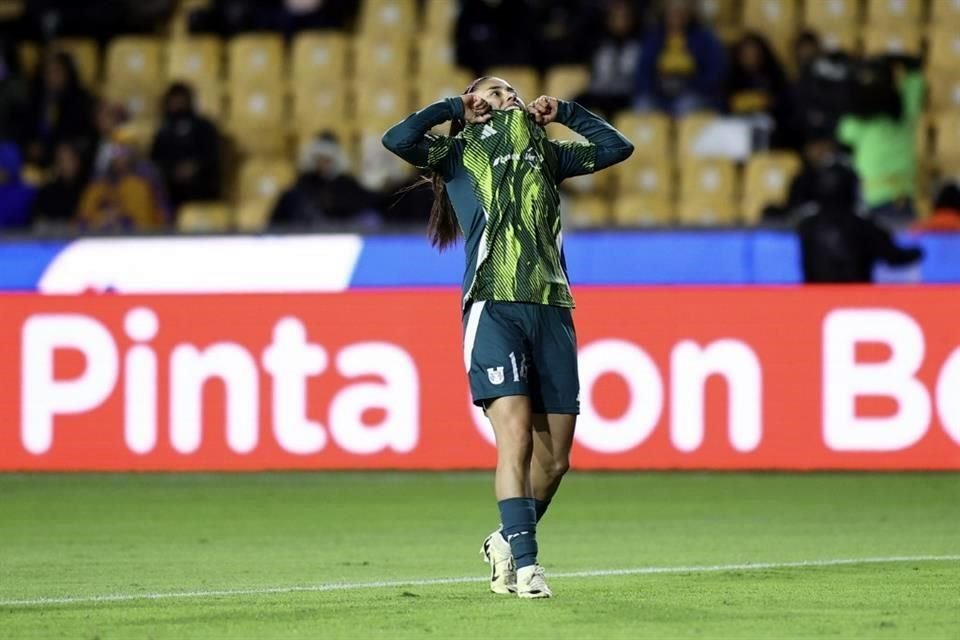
{"points": [[495, 179]]}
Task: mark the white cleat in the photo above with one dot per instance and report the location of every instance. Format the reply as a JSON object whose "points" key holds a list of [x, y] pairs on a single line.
{"points": [[496, 552], [531, 583]]}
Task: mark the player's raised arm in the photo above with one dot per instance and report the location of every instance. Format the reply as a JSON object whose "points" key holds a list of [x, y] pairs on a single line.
{"points": [[605, 145]]}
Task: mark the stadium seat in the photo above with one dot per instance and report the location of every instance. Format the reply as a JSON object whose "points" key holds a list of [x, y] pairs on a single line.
{"points": [[649, 132], [945, 13], [316, 106], [257, 118], [29, 57], [440, 17], [706, 212], [819, 14], [587, 211], [566, 81], [944, 89], [264, 179], [383, 59], [651, 177], [203, 217], [767, 181], [253, 216], [770, 17], [256, 58], [880, 39], [839, 37], [435, 56], [431, 88], [388, 17], [210, 99], [688, 130], [525, 80], [134, 60], [86, 55], [381, 105], [947, 138], [893, 12], [718, 12], [642, 211], [318, 57], [708, 179], [943, 48], [196, 60], [142, 101], [924, 140]]}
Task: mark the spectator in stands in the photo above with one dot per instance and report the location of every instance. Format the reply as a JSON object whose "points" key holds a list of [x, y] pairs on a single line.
{"points": [[681, 64], [881, 131], [300, 15], [757, 87], [15, 195], [127, 196], [187, 149], [56, 202], [946, 211], [494, 32], [839, 246], [806, 49], [822, 163], [613, 69], [560, 30], [324, 194], [109, 118], [14, 93], [62, 110], [227, 18]]}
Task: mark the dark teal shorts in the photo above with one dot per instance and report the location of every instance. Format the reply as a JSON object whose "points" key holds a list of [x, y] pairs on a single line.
{"points": [[520, 348]]}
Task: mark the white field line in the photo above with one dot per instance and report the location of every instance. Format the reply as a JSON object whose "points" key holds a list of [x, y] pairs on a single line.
{"points": [[347, 586]]}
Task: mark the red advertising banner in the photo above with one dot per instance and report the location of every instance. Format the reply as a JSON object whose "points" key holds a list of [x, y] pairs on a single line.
{"points": [[758, 378]]}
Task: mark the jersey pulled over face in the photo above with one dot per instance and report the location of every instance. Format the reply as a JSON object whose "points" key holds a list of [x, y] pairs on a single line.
{"points": [[512, 221]]}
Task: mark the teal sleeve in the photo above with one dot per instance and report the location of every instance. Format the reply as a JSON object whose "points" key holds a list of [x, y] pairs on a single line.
{"points": [[605, 145], [911, 92], [410, 138]]}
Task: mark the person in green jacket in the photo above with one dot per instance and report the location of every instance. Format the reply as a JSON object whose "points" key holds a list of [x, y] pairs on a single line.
{"points": [[884, 143]]}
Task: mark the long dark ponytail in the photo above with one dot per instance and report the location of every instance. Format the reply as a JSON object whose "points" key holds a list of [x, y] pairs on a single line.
{"points": [[442, 227]]}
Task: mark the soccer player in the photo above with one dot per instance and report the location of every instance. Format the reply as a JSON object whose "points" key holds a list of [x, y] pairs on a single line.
{"points": [[495, 180]]}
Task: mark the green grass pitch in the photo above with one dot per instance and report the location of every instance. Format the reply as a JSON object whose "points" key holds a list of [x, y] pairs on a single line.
{"points": [[358, 555]]}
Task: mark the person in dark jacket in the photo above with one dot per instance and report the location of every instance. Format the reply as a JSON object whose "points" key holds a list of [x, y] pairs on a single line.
{"points": [[15, 195], [838, 245], [323, 194], [614, 63], [62, 110], [187, 149], [490, 33], [57, 201], [681, 64], [757, 85], [14, 93]]}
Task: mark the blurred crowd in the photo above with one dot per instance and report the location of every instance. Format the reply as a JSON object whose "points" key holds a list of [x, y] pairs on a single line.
{"points": [[68, 158]]}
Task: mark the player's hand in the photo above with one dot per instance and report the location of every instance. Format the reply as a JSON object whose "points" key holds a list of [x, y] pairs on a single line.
{"points": [[544, 109], [475, 109]]}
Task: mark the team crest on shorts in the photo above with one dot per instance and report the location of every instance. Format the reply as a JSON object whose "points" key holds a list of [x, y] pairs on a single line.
{"points": [[495, 374]]}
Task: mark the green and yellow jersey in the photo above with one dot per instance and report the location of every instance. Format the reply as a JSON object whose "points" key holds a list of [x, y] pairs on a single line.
{"points": [[502, 178]]}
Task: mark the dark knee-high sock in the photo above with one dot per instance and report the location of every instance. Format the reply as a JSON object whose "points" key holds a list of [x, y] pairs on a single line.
{"points": [[540, 506], [519, 518]]}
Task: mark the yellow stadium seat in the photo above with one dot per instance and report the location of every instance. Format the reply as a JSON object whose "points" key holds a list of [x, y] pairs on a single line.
{"points": [[650, 133], [770, 16], [195, 59], [642, 211], [703, 212], [588, 211], [382, 59], [823, 13], [203, 217], [880, 39], [440, 17], [948, 137], [650, 177], [264, 179], [210, 99], [924, 139], [945, 13], [944, 89], [839, 37], [893, 12], [134, 60], [253, 216], [256, 58], [11, 9], [29, 57], [431, 88], [688, 130], [708, 179], [525, 80], [318, 106], [767, 181], [718, 12], [388, 17], [567, 81], [86, 55], [943, 48], [382, 105], [257, 118], [142, 101], [318, 57], [435, 55]]}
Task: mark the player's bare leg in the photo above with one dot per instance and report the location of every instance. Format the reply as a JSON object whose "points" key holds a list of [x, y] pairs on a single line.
{"points": [[552, 441]]}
